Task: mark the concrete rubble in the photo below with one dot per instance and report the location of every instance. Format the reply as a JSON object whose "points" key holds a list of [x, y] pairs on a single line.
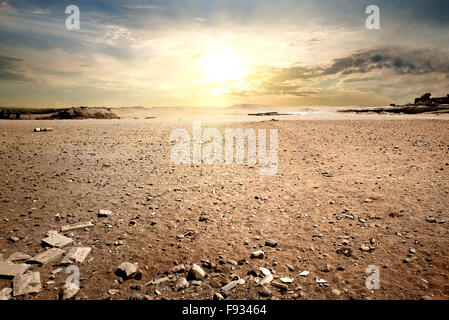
{"points": [[76, 226], [11, 270], [47, 256], [76, 255], [57, 240], [27, 283]]}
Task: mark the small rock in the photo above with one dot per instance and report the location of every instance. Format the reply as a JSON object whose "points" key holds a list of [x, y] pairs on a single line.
{"points": [[57, 240], [196, 273], [279, 285], [364, 248], [290, 267], [259, 254], [128, 270], [18, 256], [231, 285], [14, 239], [104, 213], [218, 296], [178, 269], [11, 270], [266, 280], [304, 273], [412, 251], [70, 291], [271, 243], [286, 280], [335, 292], [47, 256], [76, 255], [426, 298], [181, 284], [264, 291]]}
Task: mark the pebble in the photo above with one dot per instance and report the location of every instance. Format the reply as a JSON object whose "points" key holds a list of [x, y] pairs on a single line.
{"points": [[335, 292], [271, 243], [104, 213], [259, 254], [264, 291], [304, 273], [196, 273], [364, 248], [181, 284], [128, 270], [178, 269]]}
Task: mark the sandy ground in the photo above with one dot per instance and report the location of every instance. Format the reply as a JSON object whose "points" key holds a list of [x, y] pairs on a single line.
{"points": [[341, 185]]}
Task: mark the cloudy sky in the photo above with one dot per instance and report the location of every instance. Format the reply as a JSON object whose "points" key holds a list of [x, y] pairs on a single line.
{"points": [[218, 53]]}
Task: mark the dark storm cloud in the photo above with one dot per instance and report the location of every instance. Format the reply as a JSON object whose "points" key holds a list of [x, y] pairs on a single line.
{"points": [[10, 69], [401, 61]]}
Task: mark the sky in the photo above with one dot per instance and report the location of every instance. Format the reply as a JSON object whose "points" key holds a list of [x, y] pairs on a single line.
{"points": [[220, 53]]}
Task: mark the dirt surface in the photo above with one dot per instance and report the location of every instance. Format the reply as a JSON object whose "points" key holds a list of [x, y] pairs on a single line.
{"points": [[341, 186]]}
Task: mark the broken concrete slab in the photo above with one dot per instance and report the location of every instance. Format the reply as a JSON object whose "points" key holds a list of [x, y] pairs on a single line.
{"points": [[19, 256], [11, 270], [27, 283], [47, 256], [57, 240], [76, 255], [69, 292], [76, 226], [5, 294]]}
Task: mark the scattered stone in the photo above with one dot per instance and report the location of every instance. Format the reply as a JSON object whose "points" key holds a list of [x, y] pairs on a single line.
{"points": [[271, 243], [178, 269], [56, 271], [259, 254], [11, 270], [266, 280], [5, 294], [290, 267], [426, 298], [286, 280], [264, 291], [70, 291], [14, 239], [364, 248], [279, 285], [47, 256], [27, 283], [76, 255], [113, 291], [128, 270], [218, 296], [19, 256], [412, 251], [196, 273], [265, 272], [157, 281], [104, 213], [77, 226], [231, 285], [336, 292], [406, 260], [57, 240], [181, 284], [320, 281], [305, 273]]}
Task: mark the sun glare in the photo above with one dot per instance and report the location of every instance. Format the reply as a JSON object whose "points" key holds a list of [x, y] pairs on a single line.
{"points": [[220, 67]]}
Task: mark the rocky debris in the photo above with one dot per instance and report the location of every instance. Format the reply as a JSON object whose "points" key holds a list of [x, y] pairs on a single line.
{"points": [[218, 296], [47, 256], [279, 285], [76, 255], [264, 271], [42, 129], [77, 226], [1, 257], [128, 270], [271, 243], [231, 285], [57, 240], [178, 269], [365, 248], [264, 291], [5, 294], [68, 292], [266, 280], [11, 270], [286, 280], [27, 283], [181, 284], [304, 273], [157, 281], [113, 291], [290, 267], [14, 239], [196, 273], [259, 254], [104, 213], [336, 292], [18, 257], [321, 281], [425, 298]]}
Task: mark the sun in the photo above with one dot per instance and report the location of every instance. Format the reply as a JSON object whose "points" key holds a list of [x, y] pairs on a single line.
{"points": [[221, 67]]}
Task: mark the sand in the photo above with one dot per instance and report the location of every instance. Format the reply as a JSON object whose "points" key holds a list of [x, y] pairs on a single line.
{"points": [[359, 181]]}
